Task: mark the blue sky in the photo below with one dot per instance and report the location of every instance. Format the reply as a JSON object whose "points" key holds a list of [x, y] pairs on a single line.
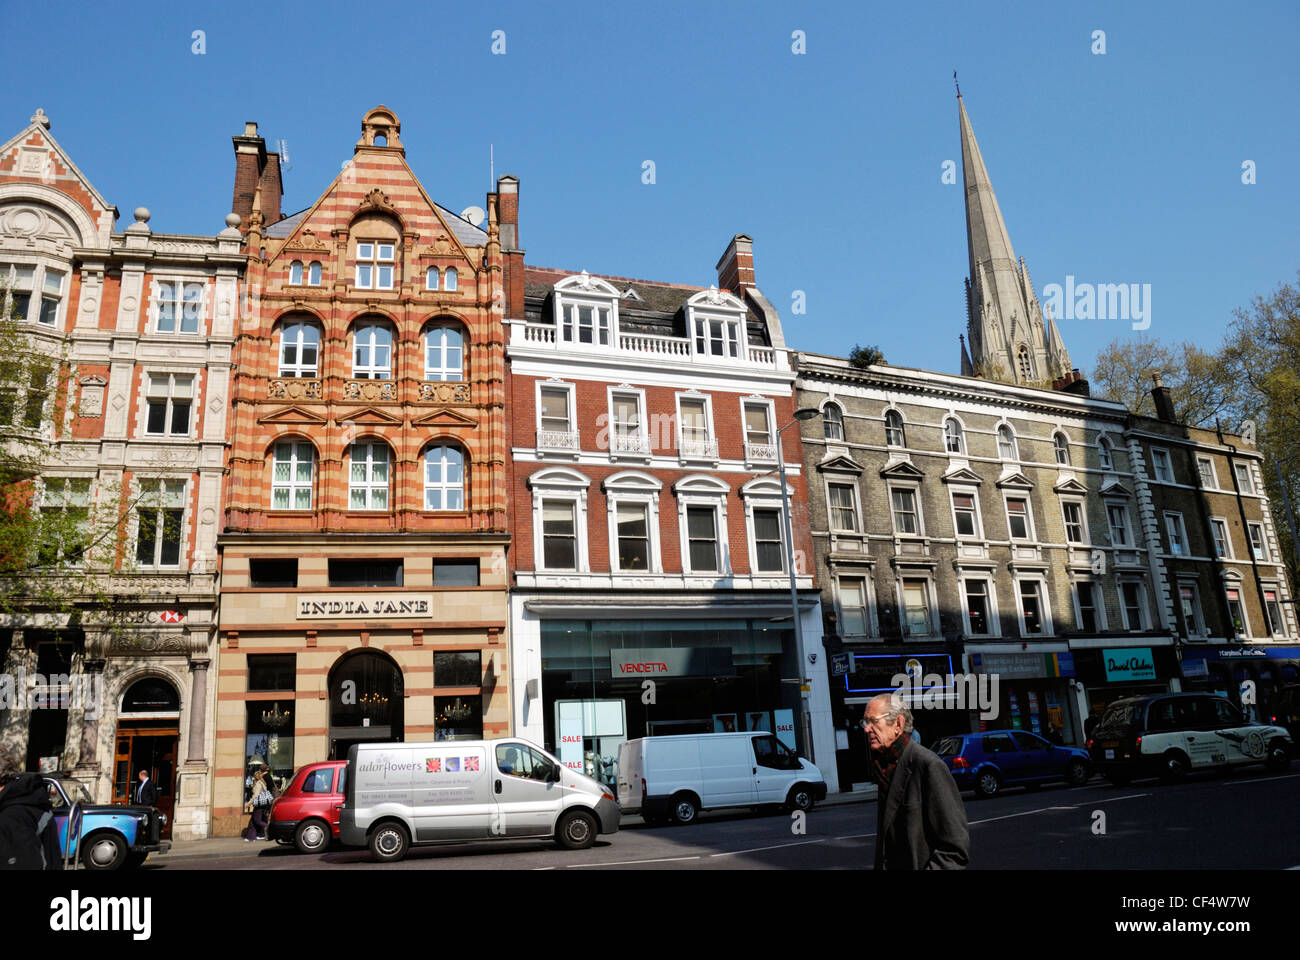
{"points": [[1124, 167]]}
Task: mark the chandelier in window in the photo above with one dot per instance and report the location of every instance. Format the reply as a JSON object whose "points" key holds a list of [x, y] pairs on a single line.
{"points": [[457, 713], [276, 718]]}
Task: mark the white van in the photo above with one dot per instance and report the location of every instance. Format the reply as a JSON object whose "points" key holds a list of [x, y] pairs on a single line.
{"points": [[399, 794], [676, 777]]}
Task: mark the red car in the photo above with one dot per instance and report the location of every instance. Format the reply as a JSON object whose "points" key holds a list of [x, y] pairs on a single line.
{"points": [[307, 813]]}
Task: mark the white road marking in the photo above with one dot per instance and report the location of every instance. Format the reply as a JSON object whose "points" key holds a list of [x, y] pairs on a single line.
{"points": [[1076, 806], [798, 843], [854, 836], [1284, 776], [612, 863]]}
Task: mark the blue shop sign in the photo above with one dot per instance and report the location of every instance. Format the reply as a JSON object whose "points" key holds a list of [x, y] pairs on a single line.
{"points": [[1129, 663]]}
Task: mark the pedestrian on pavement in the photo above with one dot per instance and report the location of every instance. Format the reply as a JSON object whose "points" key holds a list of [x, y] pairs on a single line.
{"points": [[920, 820], [29, 835], [146, 794], [259, 803]]}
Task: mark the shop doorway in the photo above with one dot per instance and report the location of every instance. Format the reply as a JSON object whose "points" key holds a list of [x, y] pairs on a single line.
{"points": [[148, 731], [366, 701]]}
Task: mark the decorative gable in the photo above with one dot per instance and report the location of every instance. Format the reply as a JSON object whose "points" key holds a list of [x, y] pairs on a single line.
{"points": [[901, 470], [1067, 484], [1015, 479], [369, 417], [444, 418], [840, 464], [292, 415], [959, 474]]}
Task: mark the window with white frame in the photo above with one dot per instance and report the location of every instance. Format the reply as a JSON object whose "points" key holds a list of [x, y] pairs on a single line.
{"points": [[1061, 446], [1117, 516], [717, 336], [703, 549], [854, 617], [32, 292], [917, 619], [1258, 548], [376, 263], [1237, 613], [1104, 454], [450, 279], [368, 476], [833, 423], [842, 501], [35, 397], [980, 617], [444, 478], [759, 443], [559, 519], [431, 278], [1276, 625], [291, 475], [1161, 465], [1019, 522], [295, 273], [588, 323], [1076, 527], [1088, 606], [1205, 467], [444, 352], [627, 433], [1244, 481], [1222, 545], [299, 349], [555, 422], [902, 502], [894, 436], [313, 274], [1033, 619], [1177, 534], [65, 510], [372, 353], [168, 398], [693, 440], [1132, 595], [769, 550], [178, 307], [633, 527], [559, 534], [1190, 604], [1007, 443], [160, 514], [953, 440], [965, 512]]}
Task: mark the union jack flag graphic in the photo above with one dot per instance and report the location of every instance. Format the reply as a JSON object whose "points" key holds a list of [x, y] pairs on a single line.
{"points": [[433, 765], [471, 764]]}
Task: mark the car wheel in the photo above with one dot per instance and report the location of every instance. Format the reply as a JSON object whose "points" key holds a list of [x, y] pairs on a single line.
{"points": [[134, 859], [799, 798], [685, 808], [987, 783], [104, 851], [389, 842], [1173, 767], [576, 831], [312, 836], [1076, 775], [1279, 757]]}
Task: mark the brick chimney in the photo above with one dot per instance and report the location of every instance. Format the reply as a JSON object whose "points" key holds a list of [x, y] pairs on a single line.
{"points": [[512, 252], [1164, 400], [1073, 382], [736, 268], [254, 167]]}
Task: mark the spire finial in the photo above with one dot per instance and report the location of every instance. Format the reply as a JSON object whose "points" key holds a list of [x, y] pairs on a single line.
{"points": [[956, 84]]}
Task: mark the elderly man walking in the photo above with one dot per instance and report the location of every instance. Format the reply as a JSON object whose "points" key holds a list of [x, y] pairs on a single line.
{"points": [[920, 820]]}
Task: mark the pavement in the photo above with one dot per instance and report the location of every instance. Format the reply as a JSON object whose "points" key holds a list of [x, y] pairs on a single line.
{"points": [[232, 846]]}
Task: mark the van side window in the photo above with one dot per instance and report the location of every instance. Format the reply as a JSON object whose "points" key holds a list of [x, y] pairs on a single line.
{"points": [[319, 781], [771, 752], [517, 760]]}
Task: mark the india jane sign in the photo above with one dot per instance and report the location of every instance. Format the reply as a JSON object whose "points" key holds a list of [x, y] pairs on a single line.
{"points": [[369, 606]]}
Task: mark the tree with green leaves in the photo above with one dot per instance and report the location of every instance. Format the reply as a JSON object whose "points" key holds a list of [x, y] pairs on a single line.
{"points": [[863, 357], [1198, 384]]}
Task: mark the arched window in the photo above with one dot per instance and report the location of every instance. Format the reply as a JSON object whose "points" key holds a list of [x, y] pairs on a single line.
{"points": [[1062, 446], [833, 422], [1103, 450], [431, 279], [368, 476], [1026, 365], [372, 354], [894, 429], [291, 475], [444, 353], [151, 695], [1007, 443], [299, 349], [953, 441], [450, 278], [313, 273], [295, 272], [444, 478]]}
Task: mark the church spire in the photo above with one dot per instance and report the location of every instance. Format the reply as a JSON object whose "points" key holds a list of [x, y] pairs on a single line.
{"points": [[1009, 340]]}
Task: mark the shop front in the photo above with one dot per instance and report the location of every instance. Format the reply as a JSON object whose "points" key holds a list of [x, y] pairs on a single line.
{"points": [[1111, 673], [1033, 692], [930, 691], [1250, 676]]}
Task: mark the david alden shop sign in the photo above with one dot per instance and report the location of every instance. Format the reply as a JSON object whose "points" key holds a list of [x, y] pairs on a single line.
{"points": [[1130, 663]]}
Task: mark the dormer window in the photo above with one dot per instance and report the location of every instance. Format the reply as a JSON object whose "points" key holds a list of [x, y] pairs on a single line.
{"points": [[586, 311], [585, 323], [715, 323], [717, 337]]}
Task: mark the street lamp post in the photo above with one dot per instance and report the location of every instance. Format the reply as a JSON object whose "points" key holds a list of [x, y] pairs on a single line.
{"points": [[803, 413]]}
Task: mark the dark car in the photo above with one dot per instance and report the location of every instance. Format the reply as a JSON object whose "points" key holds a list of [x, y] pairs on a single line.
{"points": [[1286, 711], [986, 762], [307, 813], [106, 836], [1168, 735]]}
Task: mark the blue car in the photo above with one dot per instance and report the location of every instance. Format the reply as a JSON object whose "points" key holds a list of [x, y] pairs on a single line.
{"points": [[985, 762], [105, 836]]}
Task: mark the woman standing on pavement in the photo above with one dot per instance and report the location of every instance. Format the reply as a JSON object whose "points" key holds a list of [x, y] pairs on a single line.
{"points": [[258, 805]]}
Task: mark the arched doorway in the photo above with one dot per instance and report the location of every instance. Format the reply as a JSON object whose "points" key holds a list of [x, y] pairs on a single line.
{"points": [[366, 701], [148, 729]]}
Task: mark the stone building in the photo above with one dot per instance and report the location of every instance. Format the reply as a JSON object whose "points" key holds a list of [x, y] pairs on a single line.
{"points": [[363, 572], [651, 588], [132, 412]]}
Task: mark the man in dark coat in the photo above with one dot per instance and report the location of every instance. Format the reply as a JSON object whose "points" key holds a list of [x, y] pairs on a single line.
{"points": [[146, 794], [920, 820], [29, 837]]}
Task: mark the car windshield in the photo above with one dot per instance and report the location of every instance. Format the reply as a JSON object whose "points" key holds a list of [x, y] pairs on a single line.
{"points": [[949, 747], [1119, 718]]}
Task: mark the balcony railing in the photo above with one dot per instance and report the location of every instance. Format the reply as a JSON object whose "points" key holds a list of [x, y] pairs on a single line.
{"points": [[698, 449], [563, 440], [652, 346], [294, 388], [630, 445], [645, 345]]}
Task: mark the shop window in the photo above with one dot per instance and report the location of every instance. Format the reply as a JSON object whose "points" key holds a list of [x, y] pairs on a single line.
{"points": [[455, 573], [458, 668], [272, 671], [365, 573], [271, 573], [269, 739], [458, 718]]}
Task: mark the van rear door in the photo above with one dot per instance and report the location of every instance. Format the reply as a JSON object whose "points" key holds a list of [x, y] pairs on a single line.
{"points": [[726, 772]]}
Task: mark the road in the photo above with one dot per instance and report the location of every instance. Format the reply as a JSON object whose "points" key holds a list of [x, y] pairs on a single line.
{"points": [[1242, 821]]}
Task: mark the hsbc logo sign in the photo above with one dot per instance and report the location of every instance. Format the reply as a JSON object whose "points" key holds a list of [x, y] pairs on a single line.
{"points": [[171, 616]]}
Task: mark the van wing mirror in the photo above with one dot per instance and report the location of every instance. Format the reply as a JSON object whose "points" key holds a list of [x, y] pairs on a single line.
{"points": [[554, 775]]}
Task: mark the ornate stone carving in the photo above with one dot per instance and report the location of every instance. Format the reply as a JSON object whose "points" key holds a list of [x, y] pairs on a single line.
{"points": [[147, 643], [444, 392], [376, 199], [308, 241], [294, 388], [370, 390]]}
